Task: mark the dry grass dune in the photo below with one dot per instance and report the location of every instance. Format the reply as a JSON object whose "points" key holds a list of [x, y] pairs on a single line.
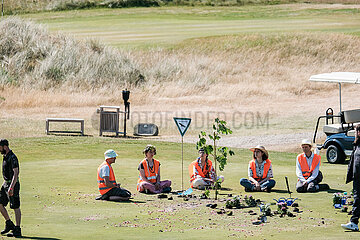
{"points": [[44, 75]]}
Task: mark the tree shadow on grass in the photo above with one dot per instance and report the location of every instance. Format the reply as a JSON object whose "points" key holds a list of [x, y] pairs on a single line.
{"points": [[122, 136], [129, 201], [331, 190], [279, 191], [69, 134], [121, 201], [41, 238], [346, 162]]}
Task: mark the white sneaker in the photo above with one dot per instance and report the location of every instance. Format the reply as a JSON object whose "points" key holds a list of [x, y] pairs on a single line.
{"points": [[350, 226]]}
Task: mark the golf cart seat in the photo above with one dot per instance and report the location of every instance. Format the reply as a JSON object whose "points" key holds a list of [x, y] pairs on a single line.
{"points": [[335, 128], [351, 133], [339, 128], [352, 116]]}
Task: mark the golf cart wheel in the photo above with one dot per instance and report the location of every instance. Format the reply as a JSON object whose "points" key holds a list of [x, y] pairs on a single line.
{"points": [[334, 154]]}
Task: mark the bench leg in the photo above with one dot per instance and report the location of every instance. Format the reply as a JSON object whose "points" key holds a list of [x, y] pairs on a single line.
{"points": [[82, 128], [47, 128]]}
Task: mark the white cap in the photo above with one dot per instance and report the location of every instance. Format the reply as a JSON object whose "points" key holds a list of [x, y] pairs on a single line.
{"points": [[110, 154], [306, 142]]}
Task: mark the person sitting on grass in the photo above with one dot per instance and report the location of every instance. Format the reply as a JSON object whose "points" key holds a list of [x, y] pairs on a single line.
{"points": [[109, 189], [149, 174], [202, 173], [308, 170], [259, 172]]}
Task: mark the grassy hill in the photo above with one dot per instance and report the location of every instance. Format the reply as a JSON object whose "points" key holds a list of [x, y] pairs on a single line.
{"points": [[25, 6]]}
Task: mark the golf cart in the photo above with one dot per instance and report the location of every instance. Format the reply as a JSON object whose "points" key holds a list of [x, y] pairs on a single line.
{"points": [[340, 134]]}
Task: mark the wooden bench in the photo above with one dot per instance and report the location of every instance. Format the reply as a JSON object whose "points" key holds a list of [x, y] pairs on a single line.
{"points": [[76, 120]]}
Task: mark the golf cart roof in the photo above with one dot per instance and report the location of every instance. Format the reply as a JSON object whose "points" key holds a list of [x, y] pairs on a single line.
{"points": [[337, 77]]}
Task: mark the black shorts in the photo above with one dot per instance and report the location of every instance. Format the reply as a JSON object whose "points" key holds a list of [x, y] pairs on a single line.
{"points": [[121, 192], [14, 199]]}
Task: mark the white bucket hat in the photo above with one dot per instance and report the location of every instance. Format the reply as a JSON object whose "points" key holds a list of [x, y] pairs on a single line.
{"points": [[110, 154], [306, 142]]}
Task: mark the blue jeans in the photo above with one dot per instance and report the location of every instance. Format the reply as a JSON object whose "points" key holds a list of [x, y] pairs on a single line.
{"points": [[250, 186]]}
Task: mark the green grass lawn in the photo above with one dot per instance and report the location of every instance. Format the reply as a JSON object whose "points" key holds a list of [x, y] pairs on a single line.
{"points": [[165, 26], [58, 174], [58, 187]]}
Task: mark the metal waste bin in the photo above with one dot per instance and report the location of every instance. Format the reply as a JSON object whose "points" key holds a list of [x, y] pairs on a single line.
{"points": [[109, 119]]}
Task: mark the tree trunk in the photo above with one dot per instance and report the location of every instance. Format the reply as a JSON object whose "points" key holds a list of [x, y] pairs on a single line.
{"points": [[216, 186]]}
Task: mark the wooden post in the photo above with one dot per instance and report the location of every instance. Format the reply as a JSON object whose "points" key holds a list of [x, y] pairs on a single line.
{"points": [[216, 189]]}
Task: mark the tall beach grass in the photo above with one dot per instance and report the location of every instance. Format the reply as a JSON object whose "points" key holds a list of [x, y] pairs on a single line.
{"points": [[223, 68], [31, 58]]}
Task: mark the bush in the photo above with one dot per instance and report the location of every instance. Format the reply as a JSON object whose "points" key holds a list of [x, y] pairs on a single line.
{"points": [[132, 3], [71, 5]]}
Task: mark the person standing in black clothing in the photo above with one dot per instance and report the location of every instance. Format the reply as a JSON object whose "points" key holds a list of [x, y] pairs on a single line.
{"points": [[10, 189], [353, 174]]}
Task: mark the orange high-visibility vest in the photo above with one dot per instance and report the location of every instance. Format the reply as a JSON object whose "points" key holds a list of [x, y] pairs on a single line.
{"points": [[150, 175], [101, 182], [266, 169], [204, 174], [306, 172]]}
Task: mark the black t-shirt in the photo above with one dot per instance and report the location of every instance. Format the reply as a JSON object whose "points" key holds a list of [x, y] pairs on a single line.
{"points": [[10, 162]]}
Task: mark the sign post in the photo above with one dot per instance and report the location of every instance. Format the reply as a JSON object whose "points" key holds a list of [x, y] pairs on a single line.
{"points": [[2, 8], [183, 125]]}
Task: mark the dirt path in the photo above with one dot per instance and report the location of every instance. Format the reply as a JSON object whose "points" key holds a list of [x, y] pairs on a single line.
{"points": [[275, 142]]}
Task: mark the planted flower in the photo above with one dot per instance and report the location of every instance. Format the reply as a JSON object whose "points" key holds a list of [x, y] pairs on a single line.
{"points": [[337, 198], [234, 203], [229, 203], [282, 208], [265, 209], [250, 201], [344, 208]]}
